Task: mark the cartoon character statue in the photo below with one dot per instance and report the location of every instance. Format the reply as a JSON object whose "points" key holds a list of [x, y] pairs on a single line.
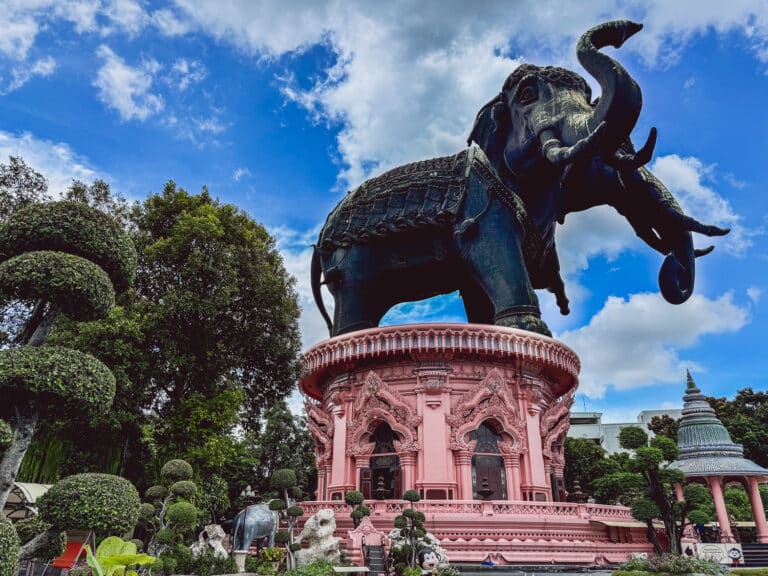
{"points": [[428, 560]]}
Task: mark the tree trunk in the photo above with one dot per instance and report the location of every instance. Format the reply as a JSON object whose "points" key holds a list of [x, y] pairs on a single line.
{"points": [[31, 548], [40, 333], [23, 431], [654, 538]]}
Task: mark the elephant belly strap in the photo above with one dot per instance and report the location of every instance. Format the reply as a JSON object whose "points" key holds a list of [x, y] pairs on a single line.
{"points": [[419, 195]]}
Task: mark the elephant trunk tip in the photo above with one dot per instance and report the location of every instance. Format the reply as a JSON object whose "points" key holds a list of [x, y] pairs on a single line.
{"points": [[675, 281]]}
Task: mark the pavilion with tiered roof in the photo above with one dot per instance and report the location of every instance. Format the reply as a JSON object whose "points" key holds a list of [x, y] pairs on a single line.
{"points": [[707, 454]]}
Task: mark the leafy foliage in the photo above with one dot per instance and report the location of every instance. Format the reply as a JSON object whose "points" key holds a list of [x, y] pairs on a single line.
{"points": [[176, 470], [6, 435], [355, 499], [411, 526], [673, 564], [664, 425], [9, 548], [100, 502], [746, 418], [182, 516], [74, 228], [79, 287], [284, 481], [113, 557], [30, 527], [20, 186], [56, 377]]}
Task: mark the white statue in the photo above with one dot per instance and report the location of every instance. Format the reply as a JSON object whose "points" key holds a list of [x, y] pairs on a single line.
{"points": [[323, 545], [397, 539], [212, 537]]}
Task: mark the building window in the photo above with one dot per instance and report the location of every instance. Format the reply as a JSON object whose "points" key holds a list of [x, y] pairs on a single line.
{"points": [[382, 480], [489, 480]]}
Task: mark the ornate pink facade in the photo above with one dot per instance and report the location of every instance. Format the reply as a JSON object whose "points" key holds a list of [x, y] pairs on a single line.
{"points": [[474, 418]]}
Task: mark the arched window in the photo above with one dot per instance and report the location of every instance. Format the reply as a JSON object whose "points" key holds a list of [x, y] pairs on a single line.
{"points": [[489, 481], [382, 479]]}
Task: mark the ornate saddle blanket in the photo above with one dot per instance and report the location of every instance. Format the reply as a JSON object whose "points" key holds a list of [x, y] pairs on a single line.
{"points": [[423, 194]]}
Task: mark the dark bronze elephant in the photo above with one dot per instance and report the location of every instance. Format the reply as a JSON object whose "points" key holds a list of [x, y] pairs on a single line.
{"points": [[483, 221]]}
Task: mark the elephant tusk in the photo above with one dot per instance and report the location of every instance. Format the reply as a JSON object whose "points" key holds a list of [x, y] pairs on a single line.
{"points": [[557, 154], [623, 161], [699, 252]]}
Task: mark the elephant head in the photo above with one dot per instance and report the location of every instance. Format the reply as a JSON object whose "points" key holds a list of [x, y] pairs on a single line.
{"points": [[562, 152]]}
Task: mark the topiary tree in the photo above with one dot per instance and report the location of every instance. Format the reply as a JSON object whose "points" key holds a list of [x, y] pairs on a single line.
{"points": [[65, 258], [284, 481], [411, 525], [169, 511], [355, 498], [29, 528]]}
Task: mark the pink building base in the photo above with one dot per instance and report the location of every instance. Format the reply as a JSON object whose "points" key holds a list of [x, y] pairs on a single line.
{"points": [[473, 417]]}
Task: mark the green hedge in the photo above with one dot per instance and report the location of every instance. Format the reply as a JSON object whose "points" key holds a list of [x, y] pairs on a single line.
{"points": [[182, 516], [58, 374], [156, 493], [6, 434], [103, 503], [184, 488], [78, 286], [9, 548], [749, 571], [30, 527], [74, 228]]}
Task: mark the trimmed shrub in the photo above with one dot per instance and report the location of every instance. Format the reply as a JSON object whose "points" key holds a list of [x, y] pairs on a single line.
{"points": [[353, 497], [295, 511], [146, 512], [74, 228], [156, 493], [78, 286], [184, 489], [277, 505], [139, 544], [182, 516], [283, 479], [6, 434], [103, 503], [55, 373], [9, 548], [175, 470], [411, 495], [282, 537], [165, 536], [30, 527]]}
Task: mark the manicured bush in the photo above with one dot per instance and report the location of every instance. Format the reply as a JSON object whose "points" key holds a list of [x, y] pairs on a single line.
{"points": [[30, 527], [411, 495], [78, 286], [165, 536], [74, 228], [9, 548], [103, 503], [277, 505], [182, 516], [146, 511], [295, 511], [353, 497], [59, 375], [156, 493], [175, 470], [6, 434], [283, 479], [184, 489], [672, 564]]}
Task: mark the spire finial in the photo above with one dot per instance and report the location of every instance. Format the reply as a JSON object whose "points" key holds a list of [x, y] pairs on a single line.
{"points": [[691, 383]]}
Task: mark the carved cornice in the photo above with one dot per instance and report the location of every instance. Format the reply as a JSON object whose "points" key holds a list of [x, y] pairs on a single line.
{"points": [[376, 402], [553, 427], [320, 425], [489, 399]]}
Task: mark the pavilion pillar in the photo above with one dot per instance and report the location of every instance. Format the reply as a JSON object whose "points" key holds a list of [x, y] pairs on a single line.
{"points": [[758, 513], [716, 488], [679, 492], [512, 470], [408, 466], [464, 463]]}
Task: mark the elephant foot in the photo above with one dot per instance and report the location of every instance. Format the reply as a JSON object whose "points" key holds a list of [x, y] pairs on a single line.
{"points": [[523, 318]]}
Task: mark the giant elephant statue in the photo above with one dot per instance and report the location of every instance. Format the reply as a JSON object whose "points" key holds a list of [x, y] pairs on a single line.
{"points": [[255, 522], [483, 221]]}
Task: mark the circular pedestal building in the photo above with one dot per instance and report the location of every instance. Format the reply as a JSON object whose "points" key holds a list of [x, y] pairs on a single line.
{"points": [[474, 417]]}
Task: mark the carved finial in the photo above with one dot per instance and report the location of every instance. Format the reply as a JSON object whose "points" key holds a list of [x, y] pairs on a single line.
{"points": [[691, 383]]}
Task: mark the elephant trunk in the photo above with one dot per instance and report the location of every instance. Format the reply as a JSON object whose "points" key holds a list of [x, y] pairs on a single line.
{"points": [[677, 273], [621, 100]]}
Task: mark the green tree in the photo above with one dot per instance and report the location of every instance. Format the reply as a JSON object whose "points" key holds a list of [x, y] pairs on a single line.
{"points": [[285, 483], [746, 418], [585, 462], [648, 488], [664, 426], [355, 499]]}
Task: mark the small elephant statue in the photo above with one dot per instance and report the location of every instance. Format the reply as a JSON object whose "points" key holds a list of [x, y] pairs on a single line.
{"points": [[212, 536], [483, 221], [255, 522]]}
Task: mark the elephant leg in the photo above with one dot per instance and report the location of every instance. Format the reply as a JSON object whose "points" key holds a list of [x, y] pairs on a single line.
{"points": [[477, 305], [495, 258], [356, 308]]}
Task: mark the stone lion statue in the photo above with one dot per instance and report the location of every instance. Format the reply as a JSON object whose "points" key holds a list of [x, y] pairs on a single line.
{"points": [[211, 537], [318, 533]]}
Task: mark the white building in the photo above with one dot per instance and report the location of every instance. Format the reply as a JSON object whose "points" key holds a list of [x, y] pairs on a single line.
{"points": [[590, 425]]}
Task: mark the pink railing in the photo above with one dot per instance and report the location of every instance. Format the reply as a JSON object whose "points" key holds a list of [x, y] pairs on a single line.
{"points": [[468, 338], [481, 508]]}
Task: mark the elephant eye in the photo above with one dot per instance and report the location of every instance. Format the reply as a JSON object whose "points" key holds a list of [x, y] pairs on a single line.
{"points": [[526, 95]]}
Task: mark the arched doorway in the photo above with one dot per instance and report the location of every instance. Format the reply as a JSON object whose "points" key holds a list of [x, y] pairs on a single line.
{"points": [[489, 481], [382, 480]]}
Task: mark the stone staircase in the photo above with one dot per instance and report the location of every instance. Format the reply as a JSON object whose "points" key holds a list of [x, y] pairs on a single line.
{"points": [[376, 561], [755, 555]]}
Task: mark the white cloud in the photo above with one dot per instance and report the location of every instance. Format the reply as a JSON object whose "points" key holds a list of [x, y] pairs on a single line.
{"points": [[54, 160], [125, 15], [240, 173], [23, 73], [127, 89], [185, 73], [635, 342], [18, 34], [168, 23], [754, 294]]}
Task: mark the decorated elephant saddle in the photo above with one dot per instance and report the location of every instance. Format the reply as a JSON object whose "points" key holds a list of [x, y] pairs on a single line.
{"points": [[425, 194]]}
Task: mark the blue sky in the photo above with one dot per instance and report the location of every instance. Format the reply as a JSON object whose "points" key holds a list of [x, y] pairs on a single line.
{"points": [[280, 107]]}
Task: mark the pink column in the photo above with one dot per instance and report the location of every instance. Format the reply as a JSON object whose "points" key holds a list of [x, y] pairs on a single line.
{"points": [[758, 513], [338, 478], [464, 463], [679, 492], [512, 469], [408, 466], [722, 514]]}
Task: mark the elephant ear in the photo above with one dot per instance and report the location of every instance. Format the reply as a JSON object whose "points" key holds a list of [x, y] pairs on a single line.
{"points": [[489, 130]]}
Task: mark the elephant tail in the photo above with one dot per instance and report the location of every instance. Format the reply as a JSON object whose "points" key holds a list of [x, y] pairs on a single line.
{"points": [[315, 271]]}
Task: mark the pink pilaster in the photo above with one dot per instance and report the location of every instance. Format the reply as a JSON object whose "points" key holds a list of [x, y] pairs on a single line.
{"points": [[716, 488], [512, 469], [408, 466], [679, 492], [537, 482], [338, 470], [464, 463], [758, 513]]}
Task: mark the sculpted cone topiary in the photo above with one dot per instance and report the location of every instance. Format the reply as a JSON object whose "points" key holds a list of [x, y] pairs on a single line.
{"points": [[286, 483], [65, 257]]}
